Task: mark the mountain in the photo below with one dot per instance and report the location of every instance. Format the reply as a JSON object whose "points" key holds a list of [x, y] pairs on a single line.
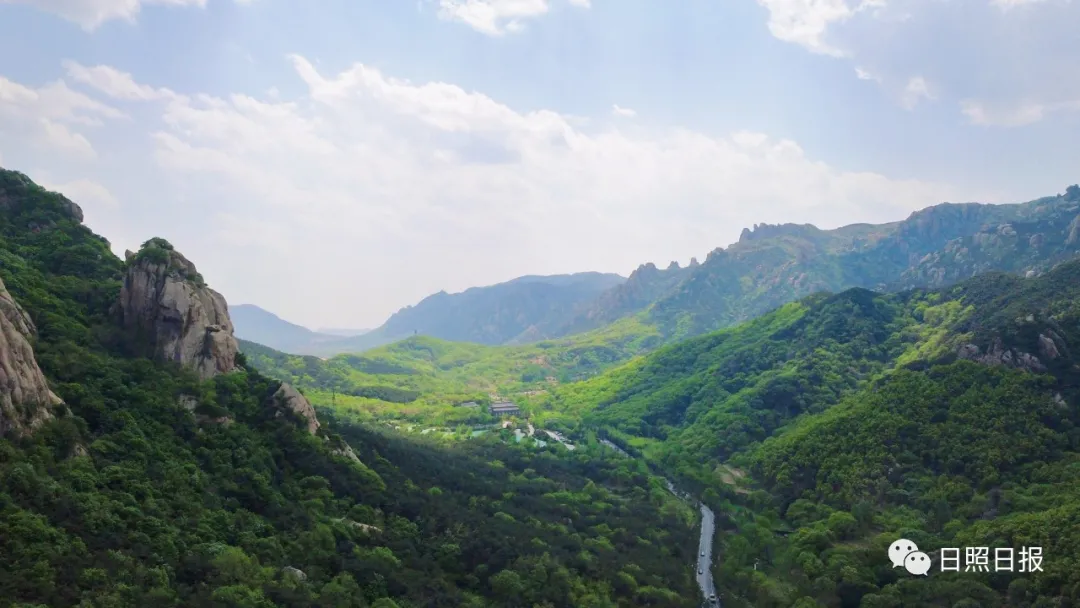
{"points": [[526, 309], [825, 430], [264, 327], [771, 265], [143, 462]]}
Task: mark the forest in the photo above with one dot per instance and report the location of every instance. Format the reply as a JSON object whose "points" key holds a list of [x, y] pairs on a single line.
{"points": [[819, 433], [126, 498], [831, 427]]}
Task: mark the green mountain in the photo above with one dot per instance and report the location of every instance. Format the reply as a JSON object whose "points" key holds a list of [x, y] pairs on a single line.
{"points": [[769, 266], [772, 265], [421, 379], [144, 463], [834, 425], [526, 309]]}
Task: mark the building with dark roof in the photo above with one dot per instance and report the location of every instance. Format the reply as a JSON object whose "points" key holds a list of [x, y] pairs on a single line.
{"points": [[504, 408]]}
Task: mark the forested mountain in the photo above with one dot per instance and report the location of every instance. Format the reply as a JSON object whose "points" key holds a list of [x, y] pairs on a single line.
{"points": [[829, 428], [264, 327], [772, 265], [526, 309], [769, 266], [143, 463]]}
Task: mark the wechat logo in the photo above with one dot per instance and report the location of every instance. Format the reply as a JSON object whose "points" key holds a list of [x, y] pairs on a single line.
{"points": [[906, 553]]}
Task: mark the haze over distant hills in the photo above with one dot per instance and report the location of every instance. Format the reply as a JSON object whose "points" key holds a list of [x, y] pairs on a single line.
{"points": [[264, 327], [525, 309], [769, 266], [343, 332]]}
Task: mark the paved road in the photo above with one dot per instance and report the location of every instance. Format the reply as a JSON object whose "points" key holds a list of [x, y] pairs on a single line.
{"points": [[705, 544], [705, 580]]}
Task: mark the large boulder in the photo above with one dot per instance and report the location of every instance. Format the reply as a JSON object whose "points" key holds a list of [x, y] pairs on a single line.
{"points": [[288, 398], [25, 399], [172, 314]]}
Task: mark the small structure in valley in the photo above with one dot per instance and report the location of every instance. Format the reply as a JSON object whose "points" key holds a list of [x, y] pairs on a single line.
{"points": [[504, 408], [469, 404]]}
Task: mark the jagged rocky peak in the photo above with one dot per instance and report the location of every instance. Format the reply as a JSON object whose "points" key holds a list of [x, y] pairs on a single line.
{"points": [[288, 398], [173, 315], [644, 270], [673, 265], [25, 399], [694, 263], [765, 231]]}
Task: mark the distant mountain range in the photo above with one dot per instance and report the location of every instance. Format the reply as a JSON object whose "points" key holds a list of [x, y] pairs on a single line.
{"points": [[769, 266], [525, 309]]}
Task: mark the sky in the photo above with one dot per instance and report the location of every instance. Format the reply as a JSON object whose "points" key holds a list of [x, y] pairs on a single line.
{"points": [[335, 160]]}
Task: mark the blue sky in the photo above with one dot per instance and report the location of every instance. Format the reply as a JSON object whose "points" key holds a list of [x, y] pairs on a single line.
{"points": [[334, 160]]}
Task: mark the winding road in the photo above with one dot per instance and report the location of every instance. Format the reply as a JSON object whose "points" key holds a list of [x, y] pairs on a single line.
{"points": [[705, 543]]}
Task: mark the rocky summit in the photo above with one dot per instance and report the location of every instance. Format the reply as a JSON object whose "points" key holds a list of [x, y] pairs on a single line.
{"points": [[165, 302], [25, 398]]}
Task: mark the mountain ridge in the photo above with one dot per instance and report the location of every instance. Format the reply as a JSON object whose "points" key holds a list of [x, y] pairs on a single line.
{"points": [[527, 308], [774, 264], [174, 474]]}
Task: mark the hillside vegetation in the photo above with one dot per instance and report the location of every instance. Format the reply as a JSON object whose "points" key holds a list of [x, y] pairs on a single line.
{"points": [[422, 379], [128, 498], [834, 425]]}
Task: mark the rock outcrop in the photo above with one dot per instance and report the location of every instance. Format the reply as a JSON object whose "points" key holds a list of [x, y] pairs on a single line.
{"points": [[997, 354], [288, 398], [25, 399], [173, 315]]}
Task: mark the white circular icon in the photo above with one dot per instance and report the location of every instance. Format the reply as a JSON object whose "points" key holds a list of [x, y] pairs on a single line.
{"points": [[899, 550], [917, 563]]}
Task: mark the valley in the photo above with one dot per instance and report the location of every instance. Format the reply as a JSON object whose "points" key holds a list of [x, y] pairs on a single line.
{"points": [[968, 386], [149, 457]]}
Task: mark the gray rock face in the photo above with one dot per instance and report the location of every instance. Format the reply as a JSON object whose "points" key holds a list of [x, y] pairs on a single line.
{"points": [[345, 451], [164, 303], [289, 398], [295, 573], [1048, 345], [997, 354], [25, 399], [1073, 231]]}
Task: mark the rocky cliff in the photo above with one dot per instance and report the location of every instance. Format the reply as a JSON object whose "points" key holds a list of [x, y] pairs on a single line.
{"points": [[288, 398], [173, 315], [25, 399]]}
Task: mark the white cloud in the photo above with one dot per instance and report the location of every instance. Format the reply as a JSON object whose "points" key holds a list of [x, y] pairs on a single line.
{"points": [[865, 75], [90, 14], [805, 22], [1013, 115], [59, 137], [90, 195], [624, 112], [978, 54], [497, 17], [49, 117], [389, 178], [917, 89], [114, 83]]}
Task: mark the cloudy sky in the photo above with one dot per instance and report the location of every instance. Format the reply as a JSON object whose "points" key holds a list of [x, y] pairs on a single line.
{"points": [[334, 160]]}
